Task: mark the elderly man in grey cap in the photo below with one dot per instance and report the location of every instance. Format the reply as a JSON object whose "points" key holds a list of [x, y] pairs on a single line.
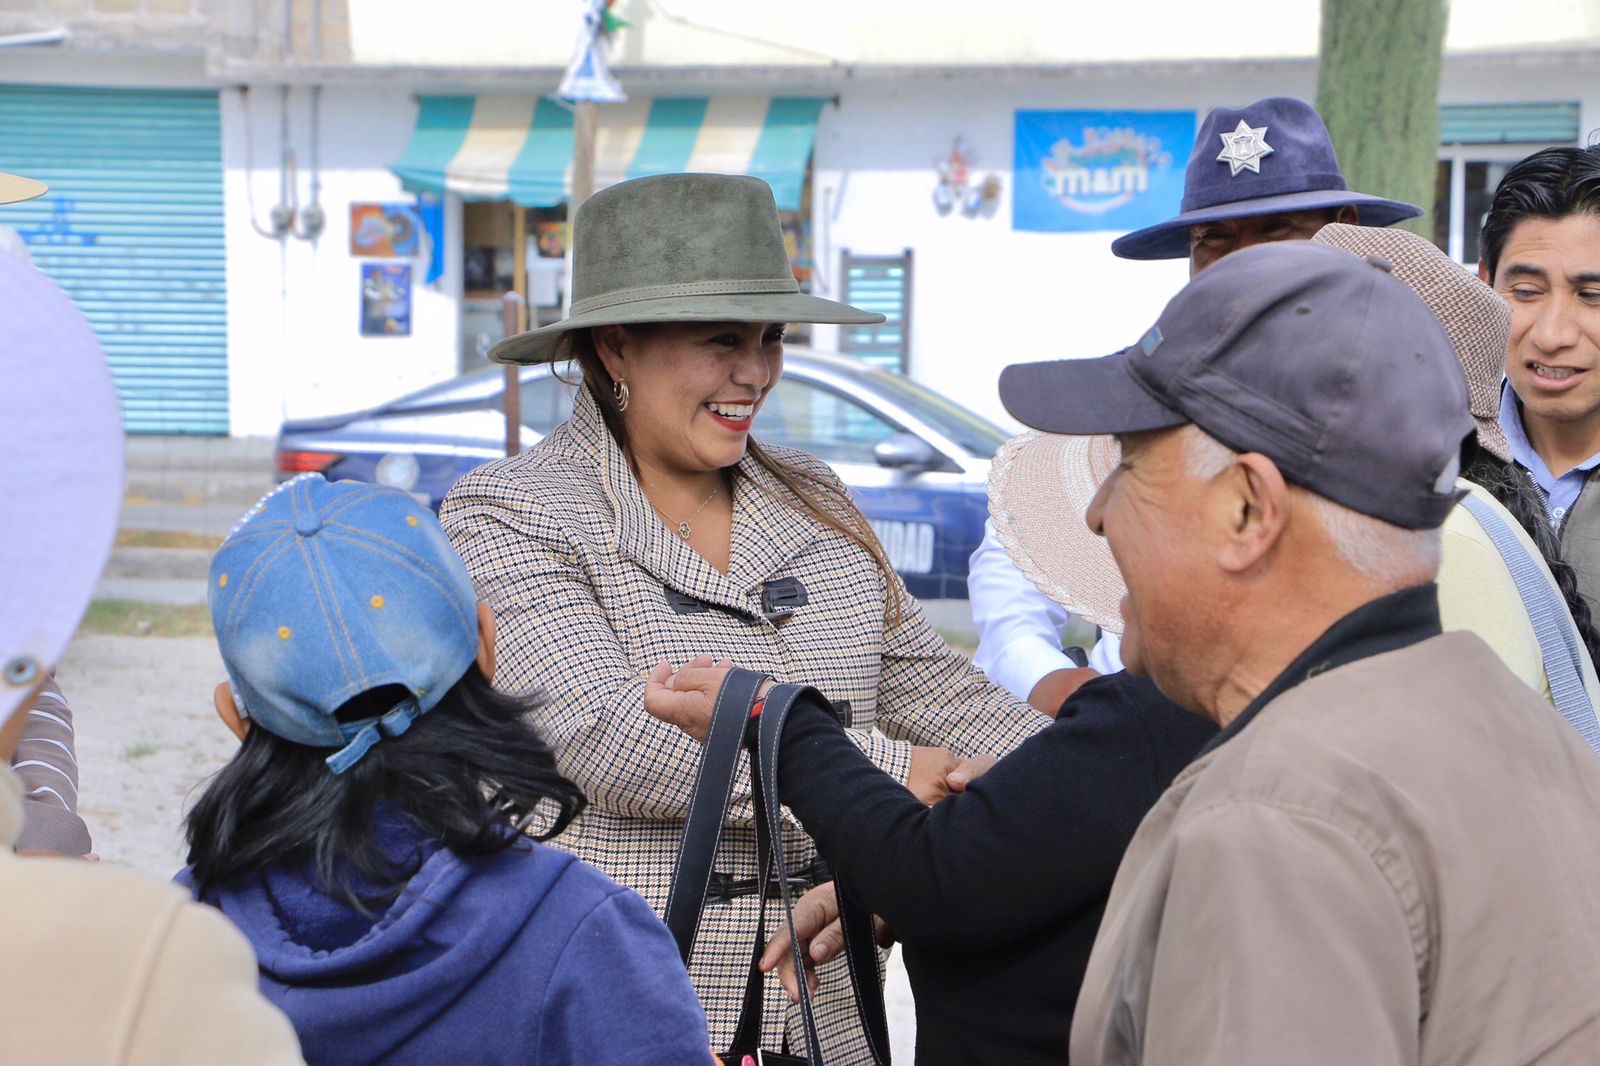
{"points": [[1276, 178], [1388, 853]]}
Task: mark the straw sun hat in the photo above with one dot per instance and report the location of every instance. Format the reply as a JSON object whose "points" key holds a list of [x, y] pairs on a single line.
{"points": [[1041, 484], [675, 248], [15, 189]]}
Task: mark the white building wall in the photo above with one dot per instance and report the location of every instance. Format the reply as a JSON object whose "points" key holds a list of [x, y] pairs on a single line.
{"points": [[985, 295], [912, 33], [294, 342]]}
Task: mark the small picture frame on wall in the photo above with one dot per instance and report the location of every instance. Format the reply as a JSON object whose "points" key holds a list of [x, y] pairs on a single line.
{"points": [[386, 299]]}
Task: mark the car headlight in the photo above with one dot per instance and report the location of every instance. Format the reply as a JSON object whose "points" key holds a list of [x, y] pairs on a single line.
{"points": [[398, 470]]}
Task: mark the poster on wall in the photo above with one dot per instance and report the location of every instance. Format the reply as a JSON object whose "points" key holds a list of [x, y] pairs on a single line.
{"points": [[386, 299], [384, 231], [1087, 171]]}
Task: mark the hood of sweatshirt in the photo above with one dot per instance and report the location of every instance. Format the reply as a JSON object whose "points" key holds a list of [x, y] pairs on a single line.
{"points": [[382, 978]]}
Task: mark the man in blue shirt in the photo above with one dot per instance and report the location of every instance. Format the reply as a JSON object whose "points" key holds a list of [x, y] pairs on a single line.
{"points": [[1541, 252]]}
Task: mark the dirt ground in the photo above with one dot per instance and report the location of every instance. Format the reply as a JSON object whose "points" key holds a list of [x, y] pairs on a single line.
{"points": [[147, 736]]}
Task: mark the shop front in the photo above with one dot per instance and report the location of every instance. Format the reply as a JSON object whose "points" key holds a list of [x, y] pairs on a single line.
{"points": [[510, 160]]}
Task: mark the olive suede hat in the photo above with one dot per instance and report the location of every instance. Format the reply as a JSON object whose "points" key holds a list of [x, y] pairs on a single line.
{"points": [[674, 248]]}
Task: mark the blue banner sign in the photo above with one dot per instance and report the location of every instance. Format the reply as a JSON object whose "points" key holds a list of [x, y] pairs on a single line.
{"points": [[1086, 171]]}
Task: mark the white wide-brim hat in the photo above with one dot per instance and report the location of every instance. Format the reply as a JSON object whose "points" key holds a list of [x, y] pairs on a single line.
{"points": [[1040, 488], [61, 434]]}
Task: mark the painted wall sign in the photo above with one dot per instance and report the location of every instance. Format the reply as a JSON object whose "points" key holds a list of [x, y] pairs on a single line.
{"points": [[386, 299], [384, 231], [1086, 171]]}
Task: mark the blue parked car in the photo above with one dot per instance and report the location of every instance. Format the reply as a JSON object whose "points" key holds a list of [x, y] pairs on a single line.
{"points": [[917, 462]]}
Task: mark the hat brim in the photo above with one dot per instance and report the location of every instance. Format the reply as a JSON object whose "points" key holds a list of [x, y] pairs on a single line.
{"points": [[541, 345], [1170, 239], [14, 188], [1040, 488], [61, 429], [1083, 397]]}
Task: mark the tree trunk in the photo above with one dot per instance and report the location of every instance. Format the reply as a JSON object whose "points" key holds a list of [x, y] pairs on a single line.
{"points": [[1378, 91]]}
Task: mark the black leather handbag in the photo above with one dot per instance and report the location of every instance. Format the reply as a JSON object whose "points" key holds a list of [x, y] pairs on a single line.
{"points": [[733, 730]]}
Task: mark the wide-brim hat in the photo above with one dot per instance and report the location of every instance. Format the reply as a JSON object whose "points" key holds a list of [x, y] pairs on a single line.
{"points": [[1040, 488], [61, 433], [679, 248], [1474, 317], [14, 188], [1267, 158]]}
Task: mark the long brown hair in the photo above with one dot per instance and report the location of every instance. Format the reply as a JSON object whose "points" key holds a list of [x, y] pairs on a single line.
{"points": [[805, 493]]}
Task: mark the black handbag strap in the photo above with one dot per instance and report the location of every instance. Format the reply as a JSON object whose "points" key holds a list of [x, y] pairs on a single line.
{"points": [[859, 943], [708, 804], [703, 831]]}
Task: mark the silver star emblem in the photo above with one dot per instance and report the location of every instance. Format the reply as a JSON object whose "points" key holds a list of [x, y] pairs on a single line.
{"points": [[1244, 148]]}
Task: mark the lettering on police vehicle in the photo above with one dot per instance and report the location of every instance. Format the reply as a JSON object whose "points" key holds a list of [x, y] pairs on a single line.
{"points": [[909, 545]]}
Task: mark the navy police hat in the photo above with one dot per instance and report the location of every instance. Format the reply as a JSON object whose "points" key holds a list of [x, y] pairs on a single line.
{"points": [[1269, 157]]}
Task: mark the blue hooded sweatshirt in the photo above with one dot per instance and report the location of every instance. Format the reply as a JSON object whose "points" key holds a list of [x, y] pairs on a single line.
{"points": [[523, 956]]}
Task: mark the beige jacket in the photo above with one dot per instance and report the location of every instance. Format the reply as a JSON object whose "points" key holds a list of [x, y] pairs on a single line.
{"points": [[1477, 593], [582, 577], [1397, 861], [100, 965]]}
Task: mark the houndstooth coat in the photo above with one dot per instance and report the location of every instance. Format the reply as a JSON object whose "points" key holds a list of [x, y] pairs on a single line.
{"points": [[567, 551]]}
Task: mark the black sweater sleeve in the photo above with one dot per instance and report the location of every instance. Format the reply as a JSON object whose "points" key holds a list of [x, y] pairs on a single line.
{"points": [[1037, 837]]}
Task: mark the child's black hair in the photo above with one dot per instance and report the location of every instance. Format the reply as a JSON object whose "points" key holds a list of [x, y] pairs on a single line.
{"points": [[469, 774]]}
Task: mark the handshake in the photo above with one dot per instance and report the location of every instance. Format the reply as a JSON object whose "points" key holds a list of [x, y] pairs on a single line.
{"points": [[684, 698]]}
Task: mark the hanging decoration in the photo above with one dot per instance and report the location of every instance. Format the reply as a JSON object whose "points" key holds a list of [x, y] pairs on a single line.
{"points": [[588, 77], [610, 21], [958, 187]]}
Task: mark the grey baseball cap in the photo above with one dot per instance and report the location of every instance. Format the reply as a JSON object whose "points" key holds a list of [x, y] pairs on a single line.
{"points": [[1318, 360]]}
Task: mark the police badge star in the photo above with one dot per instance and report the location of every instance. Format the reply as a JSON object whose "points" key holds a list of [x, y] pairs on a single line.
{"points": [[1244, 148]]}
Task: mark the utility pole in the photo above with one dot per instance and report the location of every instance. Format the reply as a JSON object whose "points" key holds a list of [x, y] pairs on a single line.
{"points": [[586, 84]]}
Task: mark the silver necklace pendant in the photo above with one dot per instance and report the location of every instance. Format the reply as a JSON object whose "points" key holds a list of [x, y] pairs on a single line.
{"points": [[683, 530]]}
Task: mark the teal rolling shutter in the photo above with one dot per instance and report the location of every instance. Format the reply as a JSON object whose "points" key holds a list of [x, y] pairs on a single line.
{"points": [[1508, 123], [132, 230], [879, 283]]}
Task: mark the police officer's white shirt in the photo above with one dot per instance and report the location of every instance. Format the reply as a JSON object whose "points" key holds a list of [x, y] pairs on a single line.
{"points": [[1020, 628]]}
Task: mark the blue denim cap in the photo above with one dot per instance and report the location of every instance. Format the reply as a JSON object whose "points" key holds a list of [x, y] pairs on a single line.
{"points": [[325, 591], [1267, 158]]}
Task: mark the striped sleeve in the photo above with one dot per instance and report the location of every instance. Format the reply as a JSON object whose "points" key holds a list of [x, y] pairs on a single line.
{"points": [[46, 761]]}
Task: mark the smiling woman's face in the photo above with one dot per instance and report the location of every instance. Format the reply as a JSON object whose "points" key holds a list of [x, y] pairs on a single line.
{"points": [[694, 388]]}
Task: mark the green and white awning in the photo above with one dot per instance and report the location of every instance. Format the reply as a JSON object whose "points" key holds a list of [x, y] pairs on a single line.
{"points": [[519, 148]]}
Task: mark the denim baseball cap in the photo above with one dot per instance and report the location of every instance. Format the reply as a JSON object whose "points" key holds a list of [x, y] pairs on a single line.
{"points": [[1266, 158], [328, 590], [1323, 362]]}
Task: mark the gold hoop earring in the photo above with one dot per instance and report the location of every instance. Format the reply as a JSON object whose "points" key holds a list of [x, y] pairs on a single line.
{"points": [[620, 393]]}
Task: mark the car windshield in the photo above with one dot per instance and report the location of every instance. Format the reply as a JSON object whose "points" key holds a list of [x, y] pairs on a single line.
{"points": [[466, 388], [971, 431]]}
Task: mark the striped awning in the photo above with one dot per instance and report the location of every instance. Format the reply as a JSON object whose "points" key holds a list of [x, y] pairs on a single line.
{"points": [[519, 148]]}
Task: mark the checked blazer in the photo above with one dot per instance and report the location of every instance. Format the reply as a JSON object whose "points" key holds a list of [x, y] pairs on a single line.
{"points": [[568, 552]]}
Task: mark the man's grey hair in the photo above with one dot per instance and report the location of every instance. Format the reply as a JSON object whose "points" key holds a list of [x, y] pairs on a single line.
{"points": [[1377, 549]]}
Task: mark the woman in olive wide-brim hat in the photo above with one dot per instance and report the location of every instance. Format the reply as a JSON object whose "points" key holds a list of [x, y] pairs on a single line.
{"points": [[650, 527]]}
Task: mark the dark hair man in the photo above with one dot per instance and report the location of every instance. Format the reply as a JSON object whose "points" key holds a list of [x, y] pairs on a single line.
{"points": [[1541, 252]]}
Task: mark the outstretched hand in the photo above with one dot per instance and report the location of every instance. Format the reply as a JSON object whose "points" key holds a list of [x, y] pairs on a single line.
{"points": [[686, 697]]}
